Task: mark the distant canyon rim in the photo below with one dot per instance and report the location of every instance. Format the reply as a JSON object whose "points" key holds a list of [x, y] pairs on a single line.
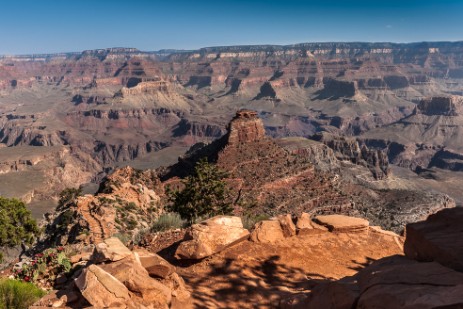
{"points": [[69, 119]]}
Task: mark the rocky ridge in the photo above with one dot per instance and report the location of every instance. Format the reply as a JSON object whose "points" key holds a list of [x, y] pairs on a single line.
{"points": [[294, 175]]}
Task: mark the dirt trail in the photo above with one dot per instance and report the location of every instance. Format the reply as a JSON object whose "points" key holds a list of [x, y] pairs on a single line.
{"points": [[96, 228]]}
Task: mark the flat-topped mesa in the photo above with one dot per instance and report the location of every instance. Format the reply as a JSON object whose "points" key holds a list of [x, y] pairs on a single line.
{"points": [[445, 106], [246, 127]]}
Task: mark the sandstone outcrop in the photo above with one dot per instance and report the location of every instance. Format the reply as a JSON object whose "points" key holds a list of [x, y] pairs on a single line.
{"points": [[128, 200], [439, 239], [408, 284], [267, 231], [445, 106], [348, 148], [246, 127], [431, 276], [281, 227], [211, 236]]}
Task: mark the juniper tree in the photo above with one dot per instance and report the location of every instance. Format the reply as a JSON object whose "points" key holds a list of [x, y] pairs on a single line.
{"points": [[16, 223], [205, 193]]}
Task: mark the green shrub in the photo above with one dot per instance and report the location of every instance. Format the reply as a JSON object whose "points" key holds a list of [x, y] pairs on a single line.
{"points": [[250, 221], [131, 223], [168, 221], [15, 294], [16, 223], [131, 206]]}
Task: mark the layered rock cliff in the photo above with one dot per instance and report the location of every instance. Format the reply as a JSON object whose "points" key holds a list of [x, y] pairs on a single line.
{"points": [[119, 104]]}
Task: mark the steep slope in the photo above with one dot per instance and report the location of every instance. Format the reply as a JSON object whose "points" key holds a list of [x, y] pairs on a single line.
{"points": [[276, 176]]}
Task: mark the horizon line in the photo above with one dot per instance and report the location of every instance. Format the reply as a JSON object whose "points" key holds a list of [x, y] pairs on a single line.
{"points": [[173, 50]]}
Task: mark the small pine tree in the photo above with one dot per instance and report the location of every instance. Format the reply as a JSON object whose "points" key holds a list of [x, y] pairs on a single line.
{"points": [[205, 193]]}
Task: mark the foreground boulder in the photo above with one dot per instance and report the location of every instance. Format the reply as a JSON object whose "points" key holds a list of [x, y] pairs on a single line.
{"points": [[439, 238], [281, 227], [402, 283], [103, 290], [119, 278], [211, 236], [154, 264], [267, 231], [135, 277], [343, 224], [111, 249], [287, 225]]}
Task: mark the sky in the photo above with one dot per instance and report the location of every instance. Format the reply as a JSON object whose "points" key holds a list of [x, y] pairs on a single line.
{"points": [[50, 26]]}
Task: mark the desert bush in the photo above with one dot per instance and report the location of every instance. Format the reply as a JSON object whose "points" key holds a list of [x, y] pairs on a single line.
{"points": [[125, 238], [131, 206], [250, 221], [45, 267], [168, 221], [16, 294], [205, 193]]}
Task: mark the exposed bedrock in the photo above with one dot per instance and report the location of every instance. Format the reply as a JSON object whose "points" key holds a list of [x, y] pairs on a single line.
{"points": [[368, 121], [335, 89], [348, 148], [446, 106], [108, 154]]}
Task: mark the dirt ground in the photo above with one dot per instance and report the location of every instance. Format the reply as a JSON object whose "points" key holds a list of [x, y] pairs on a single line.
{"points": [[256, 275]]}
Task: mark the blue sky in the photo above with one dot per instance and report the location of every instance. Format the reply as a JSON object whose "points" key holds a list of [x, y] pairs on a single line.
{"points": [[43, 26]]}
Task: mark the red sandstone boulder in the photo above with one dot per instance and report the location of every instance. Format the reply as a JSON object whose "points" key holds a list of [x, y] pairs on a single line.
{"points": [[212, 236], [306, 225], [304, 222], [267, 231], [439, 238], [154, 264], [111, 249], [135, 277], [343, 224], [102, 290], [401, 283], [287, 225]]}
